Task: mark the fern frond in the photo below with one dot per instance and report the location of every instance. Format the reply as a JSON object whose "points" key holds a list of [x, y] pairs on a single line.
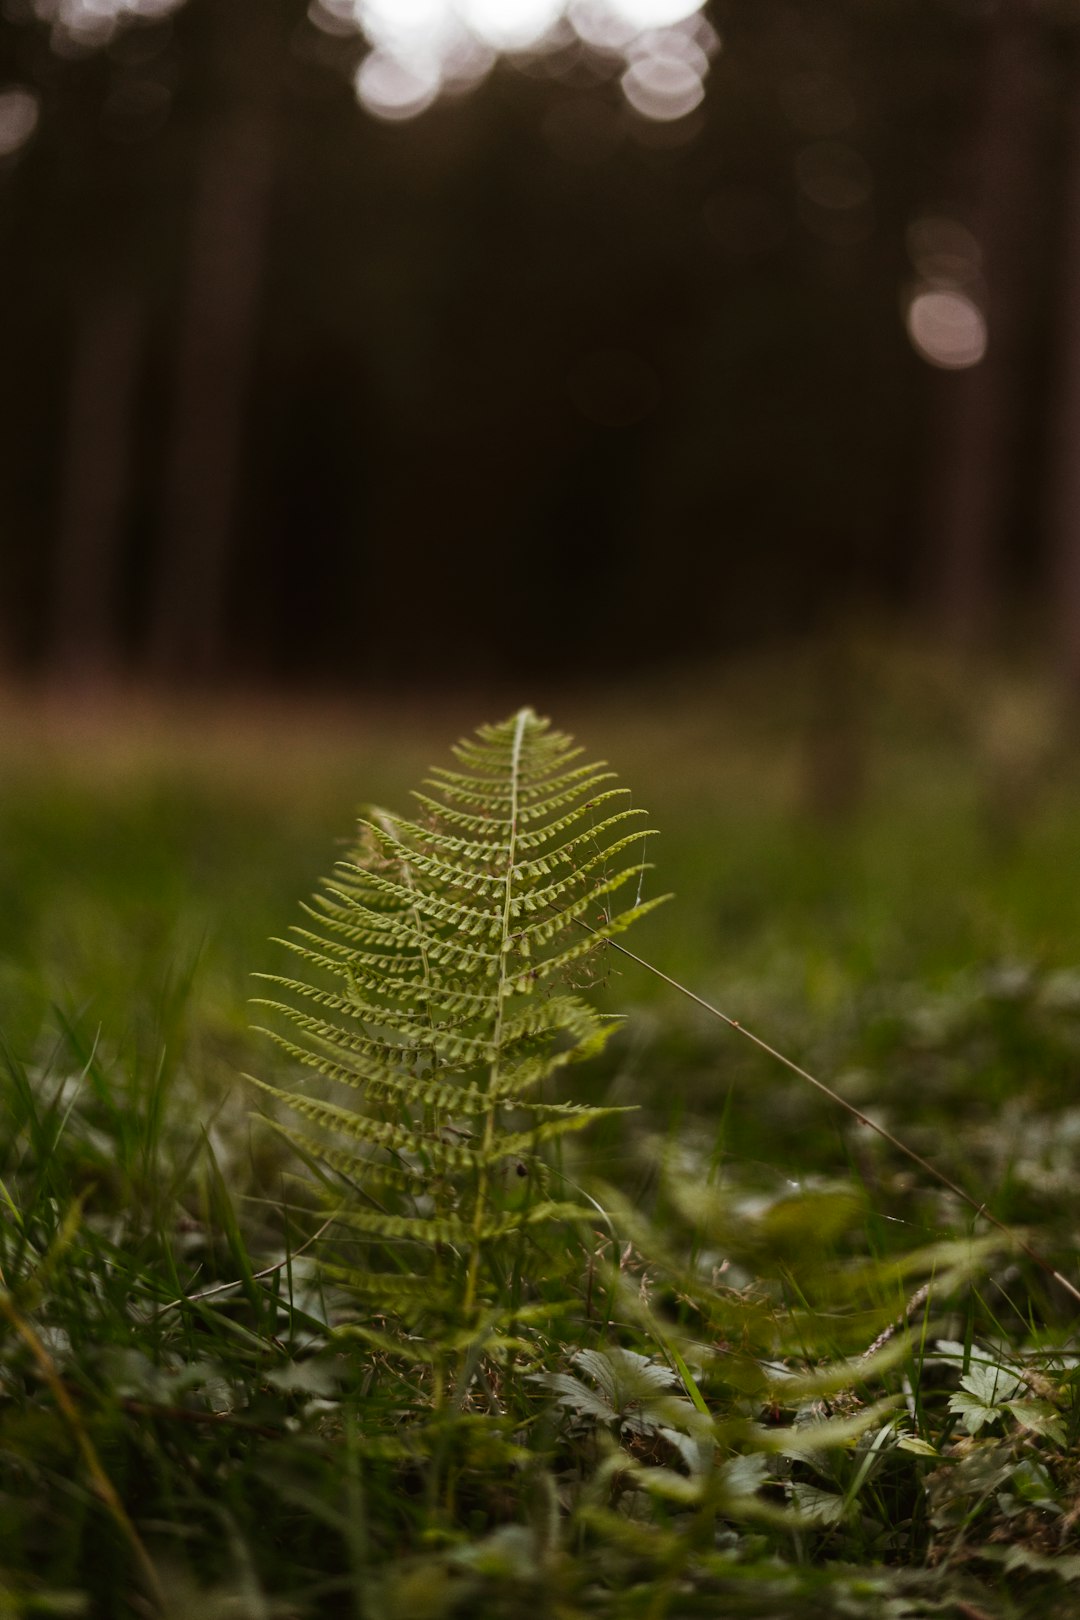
{"points": [[457, 1233], [537, 837], [427, 989], [435, 1153], [384, 1288], [497, 826], [537, 800], [585, 947], [353, 1166], [362, 1012], [383, 1080]]}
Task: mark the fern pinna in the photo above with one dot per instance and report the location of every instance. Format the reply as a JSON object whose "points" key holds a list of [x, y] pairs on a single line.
{"points": [[434, 1000]]}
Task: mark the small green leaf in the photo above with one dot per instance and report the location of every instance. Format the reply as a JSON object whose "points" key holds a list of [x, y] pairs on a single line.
{"points": [[1039, 1416], [990, 1383], [919, 1448], [744, 1475], [1019, 1557], [822, 1507], [973, 1412], [571, 1392]]}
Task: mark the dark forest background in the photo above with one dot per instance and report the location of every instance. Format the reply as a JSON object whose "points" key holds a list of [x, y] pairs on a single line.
{"points": [[295, 395]]}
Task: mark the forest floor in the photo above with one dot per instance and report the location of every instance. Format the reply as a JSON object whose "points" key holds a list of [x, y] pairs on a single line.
{"points": [[803, 1376]]}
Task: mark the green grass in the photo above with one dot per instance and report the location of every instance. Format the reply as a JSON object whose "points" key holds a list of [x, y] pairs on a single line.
{"points": [[690, 1418]]}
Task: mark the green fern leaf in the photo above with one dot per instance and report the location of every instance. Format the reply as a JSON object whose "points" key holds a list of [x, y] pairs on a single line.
{"points": [[429, 1010]]}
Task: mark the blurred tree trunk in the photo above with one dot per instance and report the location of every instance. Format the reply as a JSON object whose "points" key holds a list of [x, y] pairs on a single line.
{"points": [[216, 345], [95, 486], [1064, 467], [980, 410]]}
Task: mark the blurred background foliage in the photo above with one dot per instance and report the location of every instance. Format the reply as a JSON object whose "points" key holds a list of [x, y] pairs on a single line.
{"points": [[365, 341]]}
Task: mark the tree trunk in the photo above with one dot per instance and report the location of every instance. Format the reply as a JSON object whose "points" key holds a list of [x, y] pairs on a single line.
{"points": [[980, 415], [1063, 476], [95, 473], [217, 342]]}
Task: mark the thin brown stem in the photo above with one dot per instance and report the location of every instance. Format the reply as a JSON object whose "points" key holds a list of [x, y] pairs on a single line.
{"points": [[856, 1113], [256, 1276]]}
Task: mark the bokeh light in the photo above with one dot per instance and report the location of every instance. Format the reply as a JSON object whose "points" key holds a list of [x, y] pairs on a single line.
{"points": [[510, 25], [644, 14], [943, 250], [18, 118], [394, 89], [662, 86], [422, 49], [945, 315], [947, 328], [598, 24], [91, 23]]}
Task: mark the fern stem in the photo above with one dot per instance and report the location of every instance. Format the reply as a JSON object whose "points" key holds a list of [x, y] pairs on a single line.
{"points": [[483, 1175], [856, 1113]]}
